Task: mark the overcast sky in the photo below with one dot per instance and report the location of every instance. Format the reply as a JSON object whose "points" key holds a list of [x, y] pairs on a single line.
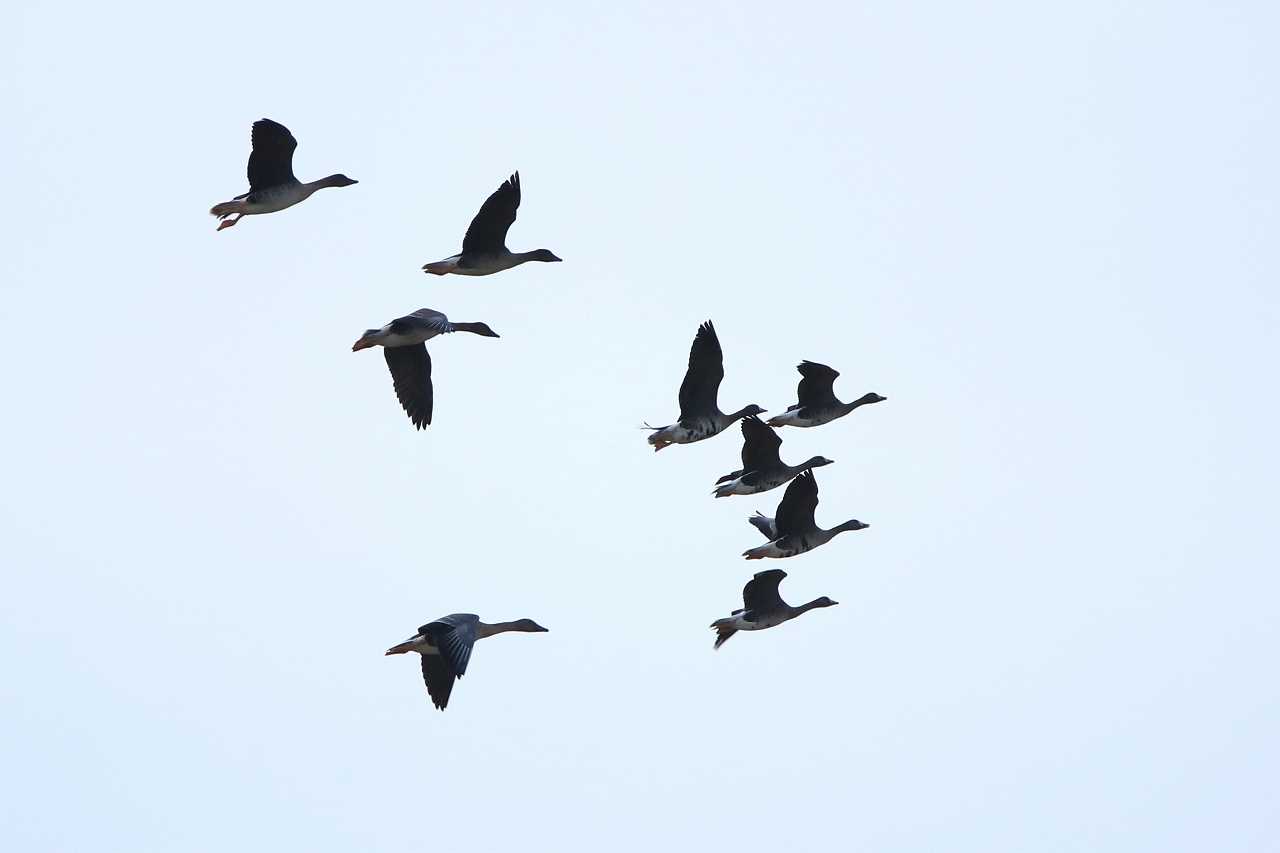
{"points": [[1046, 233]]}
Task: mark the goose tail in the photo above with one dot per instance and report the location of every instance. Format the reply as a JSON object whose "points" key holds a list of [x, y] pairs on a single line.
{"points": [[724, 630], [224, 209]]}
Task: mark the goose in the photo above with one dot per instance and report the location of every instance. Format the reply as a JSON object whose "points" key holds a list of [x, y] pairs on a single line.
{"points": [[700, 415], [272, 185], [793, 530], [763, 607], [817, 401], [445, 646], [484, 248], [403, 342], [762, 470]]}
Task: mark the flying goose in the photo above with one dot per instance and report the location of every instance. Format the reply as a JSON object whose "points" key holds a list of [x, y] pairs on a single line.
{"points": [[445, 646], [484, 248], [762, 469], [403, 346], [793, 530], [763, 607], [817, 401], [700, 415], [272, 185]]}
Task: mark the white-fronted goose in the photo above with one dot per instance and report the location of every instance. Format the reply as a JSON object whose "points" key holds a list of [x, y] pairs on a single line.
{"points": [[762, 607], [793, 528], [817, 400], [762, 468], [700, 415], [445, 646], [403, 343], [272, 185], [484, 248]]}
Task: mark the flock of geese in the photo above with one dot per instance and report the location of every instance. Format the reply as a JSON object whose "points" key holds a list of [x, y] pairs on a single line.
{"points": [[444, 645]]}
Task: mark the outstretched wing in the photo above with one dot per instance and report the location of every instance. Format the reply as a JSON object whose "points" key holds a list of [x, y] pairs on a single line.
{"points": [[453, 635], [759, 445], [488, 231], [271, 161], [439, 679], [411, 375], [701, 385], [815, 385], [423, 318], [761, 592], [795, 512], [766, 525]]}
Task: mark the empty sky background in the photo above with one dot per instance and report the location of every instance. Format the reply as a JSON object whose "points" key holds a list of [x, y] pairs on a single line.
{"points": [[1045, 231]]}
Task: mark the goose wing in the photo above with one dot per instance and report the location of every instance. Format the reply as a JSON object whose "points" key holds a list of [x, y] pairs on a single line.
{"points": [[701, 385], [423, 318], [271, 160], [759, 446], [438, 678], [815, 385], [453, 636], [766, 525], [411, 375], [795, 512], [761, 592], [488, 231]]}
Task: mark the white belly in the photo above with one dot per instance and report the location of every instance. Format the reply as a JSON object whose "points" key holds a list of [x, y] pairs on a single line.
{"points": [[270, 202], [409, 339], [793, 418]]}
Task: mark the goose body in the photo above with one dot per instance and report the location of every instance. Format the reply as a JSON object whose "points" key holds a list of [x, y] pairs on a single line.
{"points": [[445, 646], [700, 415], [793, 530], [484, 248], [404, 346], [272, 185], [762, 468], [762, 607], [817, 403]]}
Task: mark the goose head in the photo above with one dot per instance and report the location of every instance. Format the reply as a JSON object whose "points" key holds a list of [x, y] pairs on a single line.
{"points": [[482, 329], [870, 398], [527, 625], [542, 255], [818, 462], [851, 524]]}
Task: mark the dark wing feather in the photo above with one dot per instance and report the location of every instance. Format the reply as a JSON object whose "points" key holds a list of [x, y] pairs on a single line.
{"points": [[439, 678], [454, 635], [761, 592], [411, 374], [795, 512], [271, 161], [488, 231], [815, 385], [423, 318], [701, 385], [759, 445]]}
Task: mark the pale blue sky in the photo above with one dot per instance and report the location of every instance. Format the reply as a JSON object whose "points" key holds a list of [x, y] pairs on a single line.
{"points": [[1046, 233]]}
